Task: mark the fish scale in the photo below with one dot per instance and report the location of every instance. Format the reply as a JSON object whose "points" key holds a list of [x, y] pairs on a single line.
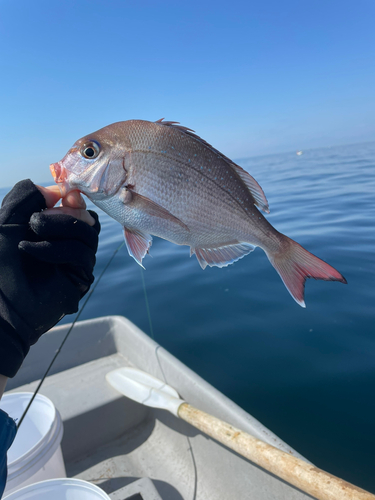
{"points": [[191, 179], [160, 179], [189, 199], [187, 152]]}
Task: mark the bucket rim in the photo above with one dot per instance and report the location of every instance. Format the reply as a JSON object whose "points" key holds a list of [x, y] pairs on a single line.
{"points": [[41, 455], [67, 480], [43, 445]]}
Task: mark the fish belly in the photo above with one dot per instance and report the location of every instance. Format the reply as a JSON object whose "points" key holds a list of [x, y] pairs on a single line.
{"points": [[137, 220]]}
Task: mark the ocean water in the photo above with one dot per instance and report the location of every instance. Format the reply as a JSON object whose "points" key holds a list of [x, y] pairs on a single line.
{"points": [[307, 374]]}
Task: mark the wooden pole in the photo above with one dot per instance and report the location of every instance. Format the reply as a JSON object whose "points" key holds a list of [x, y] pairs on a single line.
{"points": [[306, 477]]}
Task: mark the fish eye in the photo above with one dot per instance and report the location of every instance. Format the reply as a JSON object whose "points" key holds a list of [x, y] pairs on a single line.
{"points": [[90, 150]]}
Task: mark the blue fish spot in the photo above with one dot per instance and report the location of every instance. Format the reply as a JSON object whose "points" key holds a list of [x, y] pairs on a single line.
{"points": [[195, 155], [172, 147]]}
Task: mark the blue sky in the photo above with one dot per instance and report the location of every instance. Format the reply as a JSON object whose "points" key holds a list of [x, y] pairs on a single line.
{"points": [[252, 78]]}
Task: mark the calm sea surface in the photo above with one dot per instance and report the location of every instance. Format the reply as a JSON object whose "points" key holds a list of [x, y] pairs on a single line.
{"points": [[307, 374]]}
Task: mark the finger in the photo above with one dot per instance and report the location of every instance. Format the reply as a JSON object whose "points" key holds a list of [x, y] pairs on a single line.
{"points": [[78, 213], [21, 202], [73, 200], [51, 194], [64, 227]]}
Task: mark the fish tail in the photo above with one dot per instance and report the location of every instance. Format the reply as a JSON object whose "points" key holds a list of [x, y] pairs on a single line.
{"points": [[294, 264]]}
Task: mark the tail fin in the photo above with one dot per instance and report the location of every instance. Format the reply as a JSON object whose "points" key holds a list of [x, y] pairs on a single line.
{"points": [[294, 264]]}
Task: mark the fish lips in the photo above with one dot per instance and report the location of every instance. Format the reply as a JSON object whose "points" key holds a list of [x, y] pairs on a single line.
{"points": [[60, 176]]}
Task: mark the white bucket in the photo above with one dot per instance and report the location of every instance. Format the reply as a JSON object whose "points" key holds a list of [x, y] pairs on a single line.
{"points": [[35, 454], [59, 489]]}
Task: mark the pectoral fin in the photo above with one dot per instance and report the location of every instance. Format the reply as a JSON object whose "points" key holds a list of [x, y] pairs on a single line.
{"points": [[137, 243], [221, 256], [143, 204]]}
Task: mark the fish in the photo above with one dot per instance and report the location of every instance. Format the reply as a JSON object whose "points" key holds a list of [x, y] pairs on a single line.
{"points": [[161, 179]]}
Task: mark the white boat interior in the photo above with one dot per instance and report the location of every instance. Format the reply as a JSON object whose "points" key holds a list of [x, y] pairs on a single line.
{"points": [[133, 451]]}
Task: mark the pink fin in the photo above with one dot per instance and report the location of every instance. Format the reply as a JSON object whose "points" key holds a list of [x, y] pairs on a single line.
{"points": [[254, 188], [154, 209], [221, 256], [138, 244], [294, 264]]}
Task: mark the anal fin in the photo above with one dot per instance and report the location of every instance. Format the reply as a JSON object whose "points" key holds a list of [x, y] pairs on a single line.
{"points": [[137, 243], [221, 256]]}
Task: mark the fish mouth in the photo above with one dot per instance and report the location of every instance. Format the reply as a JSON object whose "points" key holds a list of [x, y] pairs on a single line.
{"points": [[59, 174]]}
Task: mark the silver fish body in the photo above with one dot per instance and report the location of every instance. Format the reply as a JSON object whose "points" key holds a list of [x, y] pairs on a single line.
{"points": [[160, 179]]}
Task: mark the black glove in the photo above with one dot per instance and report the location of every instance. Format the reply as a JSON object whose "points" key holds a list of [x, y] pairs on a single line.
{"points": [[46, 265]]}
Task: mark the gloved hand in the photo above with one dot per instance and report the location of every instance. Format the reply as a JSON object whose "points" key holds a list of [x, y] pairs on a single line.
{"points": [[46, 265]]}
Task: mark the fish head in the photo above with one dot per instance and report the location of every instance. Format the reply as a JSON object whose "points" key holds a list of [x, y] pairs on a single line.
{"points": [[95, 165]]}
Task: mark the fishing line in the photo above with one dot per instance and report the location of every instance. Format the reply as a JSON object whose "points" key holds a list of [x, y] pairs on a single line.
{"points": [[150, 323], [69, 331], [147, 306], [190, 444]]}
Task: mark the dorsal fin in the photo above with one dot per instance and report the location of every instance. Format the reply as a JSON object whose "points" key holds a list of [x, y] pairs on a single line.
{"points": [[177, 125], [254, 188]]}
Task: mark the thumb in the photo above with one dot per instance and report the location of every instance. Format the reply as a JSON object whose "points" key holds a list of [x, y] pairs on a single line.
{"points": [[51, 194]]}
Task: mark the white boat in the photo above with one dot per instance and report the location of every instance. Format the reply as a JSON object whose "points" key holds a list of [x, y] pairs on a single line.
{"points": [[130, 450]]}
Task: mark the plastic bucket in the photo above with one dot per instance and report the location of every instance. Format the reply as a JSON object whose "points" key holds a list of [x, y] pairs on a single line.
{"points": [[35, 454], [59, 489]]}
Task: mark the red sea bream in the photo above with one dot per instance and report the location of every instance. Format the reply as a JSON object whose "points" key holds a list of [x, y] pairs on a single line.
{"points": [[160, 179]]}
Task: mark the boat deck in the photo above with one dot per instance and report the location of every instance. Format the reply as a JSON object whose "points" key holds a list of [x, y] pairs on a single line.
{"points": [[112, 441]]}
